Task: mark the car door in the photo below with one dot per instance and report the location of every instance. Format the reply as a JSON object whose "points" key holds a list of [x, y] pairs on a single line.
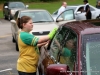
{"points": [[66, 16], [51, 50], [63, 48], [80, 15]]}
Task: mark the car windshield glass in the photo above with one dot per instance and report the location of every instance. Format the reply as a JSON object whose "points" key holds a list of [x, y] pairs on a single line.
{"points": [[91, 54], [16, 5], [38, 16], [70, 7], [63, 47], [57, 42]]}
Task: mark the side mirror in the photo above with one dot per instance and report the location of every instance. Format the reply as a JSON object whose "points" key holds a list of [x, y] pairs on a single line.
{"points": [[56, 69], [27, 6], [6, 7], [12, 21], [59, 19]]}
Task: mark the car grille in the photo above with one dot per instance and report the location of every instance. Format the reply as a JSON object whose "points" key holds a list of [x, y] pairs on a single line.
{"points": [[41, 33]]}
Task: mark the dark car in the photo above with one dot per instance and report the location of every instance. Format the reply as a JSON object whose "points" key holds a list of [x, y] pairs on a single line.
{"points": [[74, 50], [9, 9]]}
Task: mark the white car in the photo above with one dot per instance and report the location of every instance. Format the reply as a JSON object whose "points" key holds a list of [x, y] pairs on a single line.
{"points": [[78, 14], [42, 20]]}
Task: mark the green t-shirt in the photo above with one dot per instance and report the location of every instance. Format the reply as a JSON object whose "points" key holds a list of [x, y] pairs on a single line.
{"points": [[66, 52]]}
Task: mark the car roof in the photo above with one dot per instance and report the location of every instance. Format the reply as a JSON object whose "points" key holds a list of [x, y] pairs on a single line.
{"points": [[84, 27]]}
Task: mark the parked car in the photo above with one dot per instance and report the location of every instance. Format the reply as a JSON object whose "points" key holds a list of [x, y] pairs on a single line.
{"points": [[74, 50], [79, 15], [67, 15], [9, 9], [42, 19]]}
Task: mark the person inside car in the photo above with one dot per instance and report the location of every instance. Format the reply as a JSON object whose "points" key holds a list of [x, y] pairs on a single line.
{"points": [[68, 53]]}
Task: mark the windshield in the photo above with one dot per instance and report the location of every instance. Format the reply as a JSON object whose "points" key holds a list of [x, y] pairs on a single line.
{"points": [[91, 54], [16, 5], [38, 16]]}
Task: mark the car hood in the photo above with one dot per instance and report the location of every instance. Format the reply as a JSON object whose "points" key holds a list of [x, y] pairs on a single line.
{"points": [[43, 28]]}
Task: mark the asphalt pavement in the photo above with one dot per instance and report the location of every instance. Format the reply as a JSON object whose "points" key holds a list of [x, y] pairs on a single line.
{"points": [[8, 54]]}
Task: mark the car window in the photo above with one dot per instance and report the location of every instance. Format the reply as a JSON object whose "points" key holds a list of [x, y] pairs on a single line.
{"points": [[38, 16], [81, 9], [55, 13], [58, 47], [92, 9], [90, 54], [71, 7], [57, 42], [67, 8], [16, 5], [67, 15], [68, 54]]}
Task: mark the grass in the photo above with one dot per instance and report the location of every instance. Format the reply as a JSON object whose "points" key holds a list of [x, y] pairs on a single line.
{"points": [[52, 6]]}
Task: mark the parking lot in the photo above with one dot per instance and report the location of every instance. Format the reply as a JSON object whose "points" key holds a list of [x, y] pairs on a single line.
{"points": [[8, 54]]}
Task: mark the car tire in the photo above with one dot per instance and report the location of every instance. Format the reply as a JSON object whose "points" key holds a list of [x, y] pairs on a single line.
{"points": [[17, 49]]}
